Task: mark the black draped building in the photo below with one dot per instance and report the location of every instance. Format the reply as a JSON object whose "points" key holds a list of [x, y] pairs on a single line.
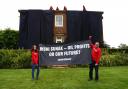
{"points": [[36, 26]]}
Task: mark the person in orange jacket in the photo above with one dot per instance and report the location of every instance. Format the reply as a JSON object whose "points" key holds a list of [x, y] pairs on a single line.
{"points": [[96, 55], [35, 61]]}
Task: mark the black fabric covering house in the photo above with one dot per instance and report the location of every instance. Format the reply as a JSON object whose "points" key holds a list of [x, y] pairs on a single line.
{"points": [[74, 26], [36, 26], [46, 27]]}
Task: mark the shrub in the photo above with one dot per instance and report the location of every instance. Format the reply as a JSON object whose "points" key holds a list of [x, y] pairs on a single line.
{"points": [[116, 59], [21, 58], [15, 58]]}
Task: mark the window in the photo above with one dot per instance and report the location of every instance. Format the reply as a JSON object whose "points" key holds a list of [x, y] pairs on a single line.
{"points": [[58, 20]]}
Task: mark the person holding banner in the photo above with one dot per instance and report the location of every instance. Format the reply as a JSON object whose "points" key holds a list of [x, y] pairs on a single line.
{"points": [[96, 55], [35, 61]]}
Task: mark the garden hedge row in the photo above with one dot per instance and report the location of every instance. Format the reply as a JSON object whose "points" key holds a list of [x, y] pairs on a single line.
{"points": [[21, 58], [15, 58]]}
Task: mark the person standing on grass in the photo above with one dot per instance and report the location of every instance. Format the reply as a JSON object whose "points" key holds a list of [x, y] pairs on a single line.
{"points": [[96, 55], [35, 61]]}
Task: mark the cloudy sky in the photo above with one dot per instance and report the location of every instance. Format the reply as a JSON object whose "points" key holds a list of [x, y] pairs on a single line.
{"points": [[115, 17]]}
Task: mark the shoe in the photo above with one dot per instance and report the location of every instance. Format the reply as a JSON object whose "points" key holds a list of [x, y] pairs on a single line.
{"points": [[90, 79], [96, 80], [32, 78], [36, 78]]}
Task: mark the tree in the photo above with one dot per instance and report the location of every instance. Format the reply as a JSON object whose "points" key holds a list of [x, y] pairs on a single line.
{"points": [[105, 45], [1, 39], [9, 39], [123, 46]]}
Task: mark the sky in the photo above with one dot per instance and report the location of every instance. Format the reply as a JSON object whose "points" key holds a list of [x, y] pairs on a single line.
{"points": [[115, 17]]}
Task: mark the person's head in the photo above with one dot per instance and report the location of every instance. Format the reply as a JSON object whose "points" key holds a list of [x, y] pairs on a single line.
{"points": [[90, 37], [34, 47], [97, 44]]}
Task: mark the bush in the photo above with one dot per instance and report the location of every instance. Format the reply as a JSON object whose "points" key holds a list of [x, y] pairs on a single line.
{"points": [[116, 59], [15, 58], [21, 58]]}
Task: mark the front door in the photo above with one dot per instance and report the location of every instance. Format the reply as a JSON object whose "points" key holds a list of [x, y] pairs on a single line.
{"points": [[59, 39]]}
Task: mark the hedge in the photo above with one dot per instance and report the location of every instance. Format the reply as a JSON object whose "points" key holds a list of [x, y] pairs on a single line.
{"points": [[21, 58], [116, 59]]}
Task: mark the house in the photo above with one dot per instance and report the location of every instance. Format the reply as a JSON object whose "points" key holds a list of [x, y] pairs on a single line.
{"points": [[59, 26]]}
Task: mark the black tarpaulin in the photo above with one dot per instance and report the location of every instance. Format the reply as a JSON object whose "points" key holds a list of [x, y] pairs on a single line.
{"points": [[46, 28], [74, 26], [23, 29], [33, 27], [36, 26]]}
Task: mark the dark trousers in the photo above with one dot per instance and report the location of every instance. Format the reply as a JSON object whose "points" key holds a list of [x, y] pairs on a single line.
{"points": [[33, 69], [91, 66]]}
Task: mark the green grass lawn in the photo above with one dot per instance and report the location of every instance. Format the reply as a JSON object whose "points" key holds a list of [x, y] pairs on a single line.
{"points": [[69, 78]]}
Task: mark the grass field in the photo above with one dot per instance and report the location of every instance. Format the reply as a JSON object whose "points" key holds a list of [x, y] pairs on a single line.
{"points": [[70, 78]]}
